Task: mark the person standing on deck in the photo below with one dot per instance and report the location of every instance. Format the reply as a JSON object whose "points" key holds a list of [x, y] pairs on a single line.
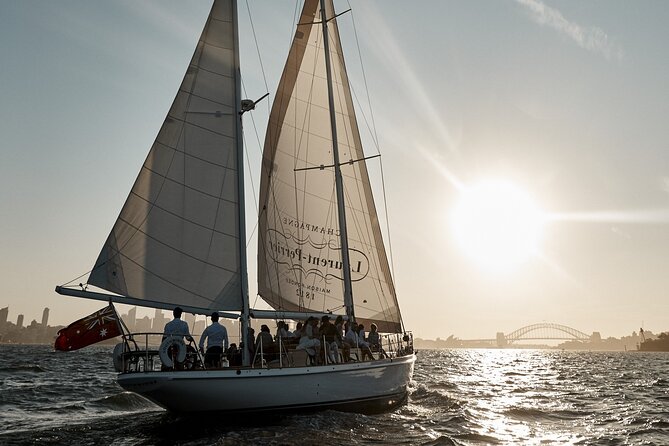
{"points": [[177, 327], [217, 342]]}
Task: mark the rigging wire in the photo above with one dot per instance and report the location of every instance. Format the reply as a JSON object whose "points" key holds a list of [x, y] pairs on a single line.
{"points": [[375, 138], [255, 127], [253, 124], [255, 39], [375, 135]]}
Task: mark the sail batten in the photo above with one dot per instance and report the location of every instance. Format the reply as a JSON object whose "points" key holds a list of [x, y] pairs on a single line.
{"points": [[177, 238], [300, 264]]}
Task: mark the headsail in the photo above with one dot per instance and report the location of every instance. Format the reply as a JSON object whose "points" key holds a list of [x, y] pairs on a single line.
{"points": [[177, 238], [299, 251]]}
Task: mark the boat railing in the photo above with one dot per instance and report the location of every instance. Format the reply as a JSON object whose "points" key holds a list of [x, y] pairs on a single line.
{"points": [[150, 352], [395, 344]]}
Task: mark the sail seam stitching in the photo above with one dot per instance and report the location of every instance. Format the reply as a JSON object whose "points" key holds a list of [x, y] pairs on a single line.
{"points": [[166, 280], [169, 247], [182, 218], [176, 118], [189, 155], [201, 68], [186, 186]]}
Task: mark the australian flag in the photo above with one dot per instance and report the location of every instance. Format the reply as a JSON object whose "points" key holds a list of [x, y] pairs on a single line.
{"points": [[101, 325]]}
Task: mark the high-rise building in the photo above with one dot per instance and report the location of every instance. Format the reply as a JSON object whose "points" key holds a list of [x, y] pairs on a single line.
{"points": [[19, 321], [45, 317], [199, 328], [159, 321], [143, 325], [3, 316], [233, 329], [130, 319], [189, 318]]}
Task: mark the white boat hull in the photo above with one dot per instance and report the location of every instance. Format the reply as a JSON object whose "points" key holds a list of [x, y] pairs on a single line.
{"points": [[360, 386]]}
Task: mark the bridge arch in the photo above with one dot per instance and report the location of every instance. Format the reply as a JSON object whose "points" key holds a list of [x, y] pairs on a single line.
{"points": [[546, 331]]}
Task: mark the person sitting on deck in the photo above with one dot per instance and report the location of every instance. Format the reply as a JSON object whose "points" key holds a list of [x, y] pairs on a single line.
{"points": [[363, 344], [283, 335], [374, 341], [234, 355], [217, 342], [350, 340], [264, 342], [309, 338], [328, 332]]}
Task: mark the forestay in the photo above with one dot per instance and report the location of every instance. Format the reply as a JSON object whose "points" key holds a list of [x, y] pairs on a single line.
{"points": [[299, 250]]}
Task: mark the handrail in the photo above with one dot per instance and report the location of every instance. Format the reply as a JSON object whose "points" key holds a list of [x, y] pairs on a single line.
{"points": [[145, 358]]}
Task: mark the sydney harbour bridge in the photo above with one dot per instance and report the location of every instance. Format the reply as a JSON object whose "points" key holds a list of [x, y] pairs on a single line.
{"points": [[538, 332]]}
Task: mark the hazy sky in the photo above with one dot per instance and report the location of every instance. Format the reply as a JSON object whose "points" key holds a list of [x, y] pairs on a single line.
{"points": [[565, 100]]}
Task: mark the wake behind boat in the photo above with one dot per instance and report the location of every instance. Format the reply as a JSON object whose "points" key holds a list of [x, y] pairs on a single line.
{"points": [[180, 238]]}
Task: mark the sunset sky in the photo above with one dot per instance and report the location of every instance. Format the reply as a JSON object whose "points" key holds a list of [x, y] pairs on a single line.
{"points": [[537, 127]]}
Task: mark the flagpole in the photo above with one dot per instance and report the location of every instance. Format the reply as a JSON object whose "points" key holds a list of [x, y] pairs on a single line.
{"points": [[124, 328]]}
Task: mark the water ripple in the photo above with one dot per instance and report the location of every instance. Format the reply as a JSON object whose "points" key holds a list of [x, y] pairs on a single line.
{"points": [[457, 397]]}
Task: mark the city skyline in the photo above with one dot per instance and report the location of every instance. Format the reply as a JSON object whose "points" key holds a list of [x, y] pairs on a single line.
{"points": [[559, 106], [197, 324]]}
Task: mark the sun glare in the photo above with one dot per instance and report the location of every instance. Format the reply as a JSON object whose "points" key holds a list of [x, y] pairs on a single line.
{"points": [[497, 225]]}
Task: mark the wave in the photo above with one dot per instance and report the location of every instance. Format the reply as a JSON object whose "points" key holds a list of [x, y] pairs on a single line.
{"points": [[73, 407], [22, 369], [123, 401], [529, 413], [443, 440], [478, 438], [433, 397]]}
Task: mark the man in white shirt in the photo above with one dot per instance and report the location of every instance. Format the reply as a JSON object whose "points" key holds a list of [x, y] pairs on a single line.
{"points": [[177, 327], [217, 342]]}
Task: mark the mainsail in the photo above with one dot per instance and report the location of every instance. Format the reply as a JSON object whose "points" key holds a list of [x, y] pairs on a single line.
{"points": [[299, 250], [179, 236]]}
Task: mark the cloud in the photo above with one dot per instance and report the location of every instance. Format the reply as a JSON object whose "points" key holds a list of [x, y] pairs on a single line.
{"points": [[592, 39]]}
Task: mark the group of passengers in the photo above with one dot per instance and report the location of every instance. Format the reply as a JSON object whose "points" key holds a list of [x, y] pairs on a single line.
{"points": [[334, 340], [326, 341]]}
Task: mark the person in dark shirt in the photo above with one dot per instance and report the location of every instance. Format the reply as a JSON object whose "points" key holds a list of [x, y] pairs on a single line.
{"points": [[328, 332]]}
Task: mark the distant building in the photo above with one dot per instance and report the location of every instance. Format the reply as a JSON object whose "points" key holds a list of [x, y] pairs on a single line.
{"points": [[189, 318], [199, 327], [159, 321], [143, 325], [130, 319], [233, 329], [45, 317], [19, 321], [3, 316], [501, 339]]}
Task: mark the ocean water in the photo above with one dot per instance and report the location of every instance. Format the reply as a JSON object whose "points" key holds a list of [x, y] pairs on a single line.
{"points": [[458, 397]]}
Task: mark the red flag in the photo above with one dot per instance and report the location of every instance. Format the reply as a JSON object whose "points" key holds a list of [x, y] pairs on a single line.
{"points": [[101, 325]]}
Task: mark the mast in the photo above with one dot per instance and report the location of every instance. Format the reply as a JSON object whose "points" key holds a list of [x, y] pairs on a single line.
{"points": [[244, 317], [346, 263]]}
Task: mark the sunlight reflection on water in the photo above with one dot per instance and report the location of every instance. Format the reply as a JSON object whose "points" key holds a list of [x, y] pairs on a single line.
{"points": [[546, 396]]}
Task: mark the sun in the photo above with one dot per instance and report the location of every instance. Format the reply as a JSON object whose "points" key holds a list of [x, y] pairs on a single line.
{"points": [[497, 225]]}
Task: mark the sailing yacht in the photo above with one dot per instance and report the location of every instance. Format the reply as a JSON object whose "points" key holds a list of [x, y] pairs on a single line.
{"points": [[180, 238]]}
